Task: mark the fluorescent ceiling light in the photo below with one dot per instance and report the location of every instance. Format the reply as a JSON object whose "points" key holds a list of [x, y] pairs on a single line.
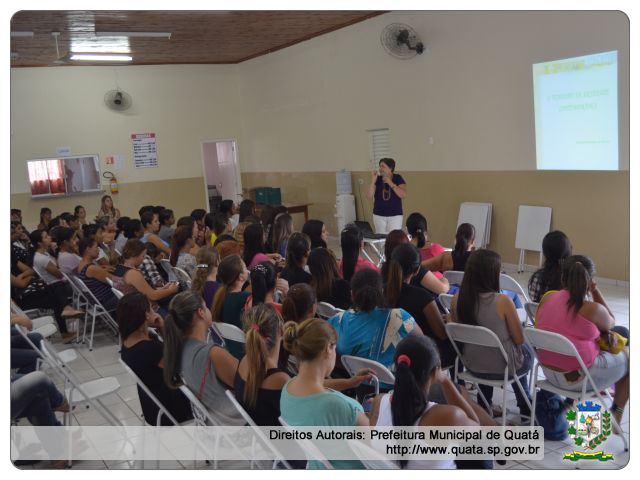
{"points": [[135, 34], [117, 45], [22, 34], [101, 58]]}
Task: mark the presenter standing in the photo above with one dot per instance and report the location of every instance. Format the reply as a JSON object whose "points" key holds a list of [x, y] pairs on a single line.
{"points": [[387, 190]]}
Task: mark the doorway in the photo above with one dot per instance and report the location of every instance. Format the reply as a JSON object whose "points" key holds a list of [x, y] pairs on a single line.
{"points": [[221, 172]]}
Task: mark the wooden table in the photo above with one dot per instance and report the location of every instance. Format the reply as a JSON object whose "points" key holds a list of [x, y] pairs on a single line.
{"points": [[302, 208]]}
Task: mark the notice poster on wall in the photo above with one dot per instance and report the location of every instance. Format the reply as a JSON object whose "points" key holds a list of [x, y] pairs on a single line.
{"points": [[145, 153]]}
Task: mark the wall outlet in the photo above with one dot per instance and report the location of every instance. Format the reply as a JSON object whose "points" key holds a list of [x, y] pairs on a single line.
{"points": [[360, 181]]}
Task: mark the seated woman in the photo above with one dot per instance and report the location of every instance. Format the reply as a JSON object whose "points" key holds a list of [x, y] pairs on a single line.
{"points": [[205, 281], [420, 303], [221, 225], [151, 226], [264, 282], [95, 277], [571, 313], [457, 258], [300, 303], [229, 299], [181, 245], [151, 268], [24, 358], [108, 209], [142, 352], [556, 247], [121, 239], [208, 370], [424, 278], [305, 401], [317, 233], [368, 329], [282, 231], [417, 228], [254, 251], [479, 302], [298, 249], [127, 278], [167, 219], [352, 244], [68, 258], [43, 262], [258, 380], [326, 280]]}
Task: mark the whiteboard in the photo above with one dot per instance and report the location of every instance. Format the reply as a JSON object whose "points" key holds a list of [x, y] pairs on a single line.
{"points": [[478, 215], [533, 224]]}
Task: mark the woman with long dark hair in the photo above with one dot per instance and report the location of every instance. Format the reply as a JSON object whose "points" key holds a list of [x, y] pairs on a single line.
{"points": [[229, 299], [142, 352], [556, 247], [352, 244], [457, 258], [317, 233], [298, 250], [282, 231], [264, 281], [182, 243], [208, 370], [579, 312], [479, 302], [254, 250], [417, 229], [419, 302], [325, 278]]}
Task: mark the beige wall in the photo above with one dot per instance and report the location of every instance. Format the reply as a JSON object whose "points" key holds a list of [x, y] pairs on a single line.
{"points": [[592, 208]]}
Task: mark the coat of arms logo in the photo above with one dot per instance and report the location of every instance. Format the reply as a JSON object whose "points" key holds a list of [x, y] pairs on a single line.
{"points": [[589, 426]]}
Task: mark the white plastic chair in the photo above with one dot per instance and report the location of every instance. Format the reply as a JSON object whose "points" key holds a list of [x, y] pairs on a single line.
{"points": [[227, 331], [168, 268], [454, 277], [95, 309], [78, 299], [477, 335], [117, 293], [265, 441], [370, 458], [382, 374], [182, 276], [309, 449], [556, 343], [509, 283], [46, 331], [531, 308], [326, 310], [45, 326], [445, 300]]}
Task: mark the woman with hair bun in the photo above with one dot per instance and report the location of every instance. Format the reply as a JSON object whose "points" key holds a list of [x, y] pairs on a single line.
{"points": [[580, 313], [305, 401], [457, 258], [264, 281]]}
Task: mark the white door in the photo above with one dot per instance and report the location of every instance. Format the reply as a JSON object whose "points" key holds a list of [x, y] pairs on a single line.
{"points": [[220, 166]]}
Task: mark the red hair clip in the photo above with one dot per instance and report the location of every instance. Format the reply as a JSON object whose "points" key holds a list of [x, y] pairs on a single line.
{"points": [[255, 327], [403, 359]]}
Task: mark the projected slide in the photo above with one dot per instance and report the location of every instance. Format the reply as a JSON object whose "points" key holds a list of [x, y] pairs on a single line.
{"points": [[576, 110]]}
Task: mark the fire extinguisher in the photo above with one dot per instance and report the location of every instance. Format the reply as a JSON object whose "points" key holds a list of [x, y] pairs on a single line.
{"points": [[113, 181]]}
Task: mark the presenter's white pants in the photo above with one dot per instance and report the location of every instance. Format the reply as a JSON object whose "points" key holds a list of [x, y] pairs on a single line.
{"points": [[386, 224]]}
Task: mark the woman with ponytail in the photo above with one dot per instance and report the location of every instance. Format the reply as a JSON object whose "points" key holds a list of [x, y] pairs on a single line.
{"points": [[205, 281], [298, 249], [305, 401], [417, 229], [259, 381], [424, 278], [456, 259], [556, 247], [330, 287], [230, 299], [182, 243], [352, 243], [580, 313], [208, 370], [404, 264], [364, 329], [264, 281], [417, 369]]}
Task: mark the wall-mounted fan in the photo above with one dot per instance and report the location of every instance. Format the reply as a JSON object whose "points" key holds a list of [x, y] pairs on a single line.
{"points": [[117, 100], [401, 41]]}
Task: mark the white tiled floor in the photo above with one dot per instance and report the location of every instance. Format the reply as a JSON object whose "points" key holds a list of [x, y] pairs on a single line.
{"points": [[125, 405]]}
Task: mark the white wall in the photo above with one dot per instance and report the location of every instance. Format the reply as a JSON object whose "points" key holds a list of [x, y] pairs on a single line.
{"points": [[307, 107], [183, 105]]}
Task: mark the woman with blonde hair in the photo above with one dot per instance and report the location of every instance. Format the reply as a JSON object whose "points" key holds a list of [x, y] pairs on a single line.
{"points": [[259, 381], [205, 281], [108, 209]]}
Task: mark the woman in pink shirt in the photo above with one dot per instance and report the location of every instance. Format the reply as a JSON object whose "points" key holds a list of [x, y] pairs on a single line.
{"points": [[352, 243], [571, 312], [417, 228], [254, 247]]}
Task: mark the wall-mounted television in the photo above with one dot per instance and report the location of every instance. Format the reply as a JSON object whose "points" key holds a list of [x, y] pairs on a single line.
{"points": [[64, 176]]}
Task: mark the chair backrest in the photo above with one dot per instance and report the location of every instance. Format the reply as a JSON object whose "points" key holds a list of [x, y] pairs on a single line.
{"points": [[531, 308], [353, 364], [309, 449], [200, 413], [509, 283], [551, 342], [182, 276], [370, 458], [228, 331], [445, 300], [326, 310], [16, 309], [454, 276], [41, 273], [475, 335], [168, 268], [117, 293], [162, 409]]}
